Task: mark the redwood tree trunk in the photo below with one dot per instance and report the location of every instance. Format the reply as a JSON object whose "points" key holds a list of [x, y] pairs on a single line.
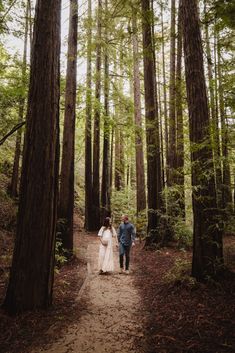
{"points": [[96, 139], [172, 102], [165, 101], [139, 154], [31, 277], [88, 142], [214, 113], [179, 120], [105, 187], [154, 174], [226, 185], [66, 203], [207, 237]]}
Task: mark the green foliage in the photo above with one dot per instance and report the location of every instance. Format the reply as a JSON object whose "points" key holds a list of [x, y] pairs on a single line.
{"points": [[141, 224], [230, 223], [60, 255], [123, 202], [225, 9], [8, 209], [173, 224], [180, 273], [60, 252], [183, 234]]}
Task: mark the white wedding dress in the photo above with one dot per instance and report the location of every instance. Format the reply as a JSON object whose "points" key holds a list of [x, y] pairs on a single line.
{"points": [[105, 261]]}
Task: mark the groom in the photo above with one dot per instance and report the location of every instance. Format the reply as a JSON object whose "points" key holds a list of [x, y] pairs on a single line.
{"points": [[126, 239]]}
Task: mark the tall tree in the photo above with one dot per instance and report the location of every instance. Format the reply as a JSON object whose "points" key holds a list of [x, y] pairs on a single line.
{"points": [[88, 137], [117, 175], [32, 271], [154, 181], [15, 175], [166, 128], [226, 184], [172, 100], [160, 123], [96, 138], [119, 145], [179, 120], [66, 200], [213, 111], [207, 237], [105, 186], [139, 154]]}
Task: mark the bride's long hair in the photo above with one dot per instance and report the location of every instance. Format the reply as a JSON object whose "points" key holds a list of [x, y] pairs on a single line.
{"points": [[107, 224]]}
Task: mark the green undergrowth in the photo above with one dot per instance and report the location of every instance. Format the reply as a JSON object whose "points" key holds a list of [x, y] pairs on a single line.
{"points": [[8, 207], [180, 273]]}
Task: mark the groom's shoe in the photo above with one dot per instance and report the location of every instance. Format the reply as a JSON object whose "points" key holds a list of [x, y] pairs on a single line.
{"points": [[121, 271], [127, 272]]}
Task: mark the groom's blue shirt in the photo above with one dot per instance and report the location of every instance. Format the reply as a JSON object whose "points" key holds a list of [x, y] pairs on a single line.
{"points": [[126, 234]]}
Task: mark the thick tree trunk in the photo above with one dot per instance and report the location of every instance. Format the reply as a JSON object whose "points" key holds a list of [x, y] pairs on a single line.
{"points": [[13, 188], [105, 187], [172, 101], [179, 120], [122, 160], [214, 113], [207, 238], [158, 107], [31, 277], [117, 177], [96, 137], [88, 138], [111, 160], [30, 24], [66, 201], [226, 184], [161, 126], [152, 132], [165, 100], [119, 141], [139, 154]]}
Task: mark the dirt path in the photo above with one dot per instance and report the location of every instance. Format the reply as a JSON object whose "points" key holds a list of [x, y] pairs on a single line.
{"points": [[110, 321]]}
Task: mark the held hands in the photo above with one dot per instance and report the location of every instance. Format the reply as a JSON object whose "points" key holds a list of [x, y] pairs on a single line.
{"points": [[133, 244]]}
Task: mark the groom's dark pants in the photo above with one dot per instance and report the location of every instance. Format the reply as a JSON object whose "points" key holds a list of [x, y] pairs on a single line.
{"points": [[124, 250]]}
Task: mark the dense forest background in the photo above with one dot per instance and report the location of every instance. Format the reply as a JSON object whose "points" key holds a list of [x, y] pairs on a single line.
{"points": [[141, 121]]}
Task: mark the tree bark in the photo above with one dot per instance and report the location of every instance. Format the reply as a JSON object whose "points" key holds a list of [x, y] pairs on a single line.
{"points": [[226, 183], [207, 237], [117, 176], [214, 113], [32, 271], [111, 160], [161, 126], [179, 120], [165, 99], [154, 174], [172, 102], [139, 154], [96, 136], [88, 137], [105, 186], [66, 202]]}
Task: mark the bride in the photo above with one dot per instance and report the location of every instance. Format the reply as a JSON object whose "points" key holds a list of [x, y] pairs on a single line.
{"points": [[106, 235]]}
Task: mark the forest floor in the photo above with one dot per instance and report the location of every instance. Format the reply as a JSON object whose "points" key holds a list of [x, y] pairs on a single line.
{"points": [[158, 308]]}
